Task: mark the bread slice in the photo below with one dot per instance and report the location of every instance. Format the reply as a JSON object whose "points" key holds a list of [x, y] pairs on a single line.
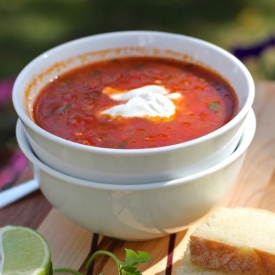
{"points": [[187, 268], [237, 240]]}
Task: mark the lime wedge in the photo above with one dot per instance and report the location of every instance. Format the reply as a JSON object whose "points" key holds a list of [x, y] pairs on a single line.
{"points": [[23, 251]]}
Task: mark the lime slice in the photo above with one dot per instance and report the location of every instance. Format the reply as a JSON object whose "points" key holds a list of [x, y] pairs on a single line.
{"points": [[23, 251]]}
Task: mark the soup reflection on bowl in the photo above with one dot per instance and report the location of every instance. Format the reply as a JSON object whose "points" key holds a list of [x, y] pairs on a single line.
{"points": [[140, 211], [133, 107]]}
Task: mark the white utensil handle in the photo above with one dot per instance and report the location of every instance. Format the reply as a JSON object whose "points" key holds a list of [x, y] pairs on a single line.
{"points": [[15, 193]]}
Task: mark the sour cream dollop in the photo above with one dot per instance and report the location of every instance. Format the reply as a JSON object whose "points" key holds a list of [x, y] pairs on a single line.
{"points": [[146, 101]]}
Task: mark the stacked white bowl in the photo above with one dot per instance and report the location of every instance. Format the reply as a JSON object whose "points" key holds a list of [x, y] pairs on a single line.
{"points": [[135, 194]]}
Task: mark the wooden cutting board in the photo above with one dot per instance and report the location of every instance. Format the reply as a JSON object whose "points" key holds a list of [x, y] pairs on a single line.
{"points": [[255, 187]]}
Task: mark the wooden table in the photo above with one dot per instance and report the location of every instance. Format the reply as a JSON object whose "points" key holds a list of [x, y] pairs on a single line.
{"points": [[71, 245]]}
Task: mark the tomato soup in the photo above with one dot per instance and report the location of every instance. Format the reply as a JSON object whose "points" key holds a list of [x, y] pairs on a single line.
{"points": [[133, 103]]}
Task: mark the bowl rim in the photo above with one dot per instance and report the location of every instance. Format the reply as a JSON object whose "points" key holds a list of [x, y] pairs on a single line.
{"points": [[246, 139], [145, 151]]}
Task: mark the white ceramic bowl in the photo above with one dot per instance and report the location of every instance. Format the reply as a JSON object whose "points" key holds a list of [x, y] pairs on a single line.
{"points": [[142, 211], [132, 166]]}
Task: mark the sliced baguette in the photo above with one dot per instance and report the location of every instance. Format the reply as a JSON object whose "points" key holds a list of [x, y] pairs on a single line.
{"points": [[237, 240]]}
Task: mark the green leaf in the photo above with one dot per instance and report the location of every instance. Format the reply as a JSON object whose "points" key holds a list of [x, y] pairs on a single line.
{"points": [[215, 106], [124, 268], [130, 270], [96, 73], [134, 258]]}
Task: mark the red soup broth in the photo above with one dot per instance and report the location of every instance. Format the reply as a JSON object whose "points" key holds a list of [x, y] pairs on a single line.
{"points": [[70, 106]]}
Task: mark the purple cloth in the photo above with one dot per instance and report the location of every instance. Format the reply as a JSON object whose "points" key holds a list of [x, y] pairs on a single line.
{"points": [[6, 91], [12, 161], [255, 50]]}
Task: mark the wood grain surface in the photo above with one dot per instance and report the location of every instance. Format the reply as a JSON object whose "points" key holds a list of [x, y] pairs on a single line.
{"points": [[71, 245]]}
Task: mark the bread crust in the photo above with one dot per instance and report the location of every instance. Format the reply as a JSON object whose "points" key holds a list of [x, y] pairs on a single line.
{"points": [[187, 268], [222, 256], [267, 261]]}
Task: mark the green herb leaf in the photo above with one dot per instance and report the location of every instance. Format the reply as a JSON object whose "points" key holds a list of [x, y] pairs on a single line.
{"points": [[215, 106], [123, 144], [139, 65], [128, 266], [124, 268], [130, 270], [132, 258], [96, 73]]}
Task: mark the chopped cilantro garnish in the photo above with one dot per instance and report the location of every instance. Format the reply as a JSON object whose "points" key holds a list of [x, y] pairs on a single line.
{"points": [[96, 72], [139, 65], [215, 106]]}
